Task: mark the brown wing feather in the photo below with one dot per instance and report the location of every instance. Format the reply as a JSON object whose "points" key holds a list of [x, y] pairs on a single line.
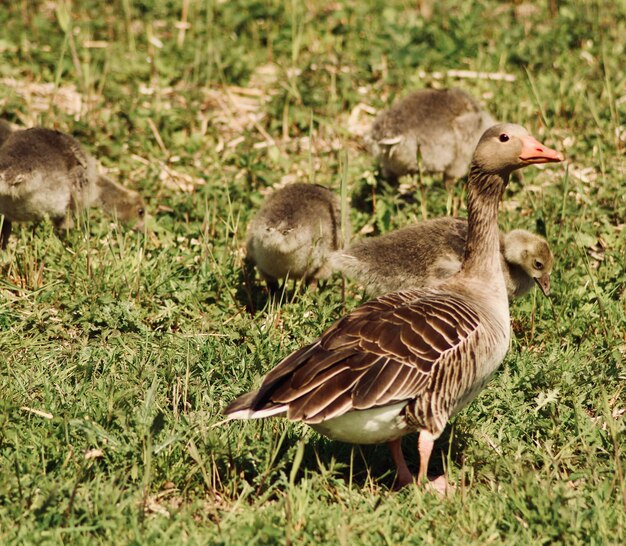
{"points": [[374, 381], [338, 406], [308, 407], [383, 352]]}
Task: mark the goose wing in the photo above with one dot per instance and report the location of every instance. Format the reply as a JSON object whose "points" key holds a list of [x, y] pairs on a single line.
{"points": [[384, 352]]}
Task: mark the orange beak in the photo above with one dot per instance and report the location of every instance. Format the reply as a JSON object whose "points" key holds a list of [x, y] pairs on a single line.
{"points": [[535, 152]]}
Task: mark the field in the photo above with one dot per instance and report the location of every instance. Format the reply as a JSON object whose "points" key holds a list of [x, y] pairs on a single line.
{"points": [[119, 349]]}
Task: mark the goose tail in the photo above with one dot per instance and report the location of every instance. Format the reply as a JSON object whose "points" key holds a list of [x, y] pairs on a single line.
{"points": [[243, 408]]}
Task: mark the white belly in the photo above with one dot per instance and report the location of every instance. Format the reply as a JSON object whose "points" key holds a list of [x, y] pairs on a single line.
{"points": [[372, 426], [36, 200]]}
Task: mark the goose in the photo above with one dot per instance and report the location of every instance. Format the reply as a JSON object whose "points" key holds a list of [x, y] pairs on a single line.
{"points": [[294, 232], [440, 126], [44, 172], [408, 361], [427, 253]]}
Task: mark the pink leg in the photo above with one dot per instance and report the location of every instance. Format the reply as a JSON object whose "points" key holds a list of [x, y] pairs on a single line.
{"points": [[425, 445], [403, 476]]}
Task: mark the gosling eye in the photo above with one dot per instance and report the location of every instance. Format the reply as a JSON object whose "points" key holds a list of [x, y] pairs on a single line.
{"points": [[141, 212], [504, 137], [538, 265]]}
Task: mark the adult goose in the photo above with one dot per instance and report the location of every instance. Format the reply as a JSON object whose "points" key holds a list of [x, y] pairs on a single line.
{"points": [[408, 361], [294, 233], [427, 253], [44, 172], [439, 127]]}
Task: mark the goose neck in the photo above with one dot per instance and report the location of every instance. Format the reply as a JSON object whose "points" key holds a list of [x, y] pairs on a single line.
{"points": [[482, 250]]}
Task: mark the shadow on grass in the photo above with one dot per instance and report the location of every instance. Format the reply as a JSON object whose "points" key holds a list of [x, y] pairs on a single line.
{"points": [[355, 464], [256, 295]]}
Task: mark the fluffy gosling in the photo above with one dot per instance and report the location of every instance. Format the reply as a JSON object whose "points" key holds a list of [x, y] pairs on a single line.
{"points": [[44, 172]]}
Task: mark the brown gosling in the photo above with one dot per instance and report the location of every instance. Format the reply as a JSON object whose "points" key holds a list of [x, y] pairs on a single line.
{"points": [[409, 361], [437, 127], [44, 172], [427, 253], [294, 233]]}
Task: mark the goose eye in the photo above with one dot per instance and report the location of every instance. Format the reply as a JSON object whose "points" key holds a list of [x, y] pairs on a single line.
{"points": [[504, 137], [538, 265]]}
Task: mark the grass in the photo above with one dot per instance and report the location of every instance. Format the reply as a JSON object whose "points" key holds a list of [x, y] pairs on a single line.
{"points": [[119, 350]]}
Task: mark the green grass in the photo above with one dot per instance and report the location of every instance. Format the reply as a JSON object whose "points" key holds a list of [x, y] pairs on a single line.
{"points": [[118, 350]]}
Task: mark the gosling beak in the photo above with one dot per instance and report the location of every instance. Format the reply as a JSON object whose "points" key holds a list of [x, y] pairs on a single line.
{"points": [[543, 283], [535, 152]]}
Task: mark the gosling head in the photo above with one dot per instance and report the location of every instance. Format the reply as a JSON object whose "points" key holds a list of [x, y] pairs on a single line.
{"points": [[131, 209], [532, 254], [506, 147], [122, 203]]}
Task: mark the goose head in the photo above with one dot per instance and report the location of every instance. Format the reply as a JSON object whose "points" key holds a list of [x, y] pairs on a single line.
{"points": [[532, 254], [506, 147]]}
